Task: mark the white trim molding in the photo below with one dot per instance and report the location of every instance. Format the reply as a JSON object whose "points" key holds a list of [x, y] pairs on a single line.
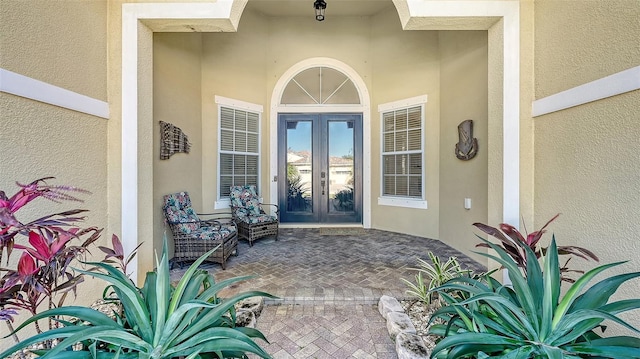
{"points": [[403, 202], [408, 102], [238, 104], [27, 87], [139, 22], [223, 203], [616, 84]]}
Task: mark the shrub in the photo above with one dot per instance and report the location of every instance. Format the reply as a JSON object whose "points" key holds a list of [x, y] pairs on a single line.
{"points": [[159, 321], [437, 273], [343, 200], [532, 319], [514, 243], [44, 273], [297, 190]]}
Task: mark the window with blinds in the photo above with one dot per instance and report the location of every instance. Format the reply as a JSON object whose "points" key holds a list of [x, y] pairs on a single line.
{"points": [[402, 172], [239, 155]]}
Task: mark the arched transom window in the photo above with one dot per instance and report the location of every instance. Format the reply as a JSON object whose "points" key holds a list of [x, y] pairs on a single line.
{"points": [[320, 86]]}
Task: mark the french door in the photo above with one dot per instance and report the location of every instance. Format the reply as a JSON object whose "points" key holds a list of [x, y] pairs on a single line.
{"points": [[320, 168]]}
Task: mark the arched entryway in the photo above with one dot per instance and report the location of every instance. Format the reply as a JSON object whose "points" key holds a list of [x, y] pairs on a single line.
{"points": [[320, 148]]}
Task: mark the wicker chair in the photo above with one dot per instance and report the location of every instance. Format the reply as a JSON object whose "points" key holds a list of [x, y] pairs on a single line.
{"points": [[194, 237], [250, 217]]}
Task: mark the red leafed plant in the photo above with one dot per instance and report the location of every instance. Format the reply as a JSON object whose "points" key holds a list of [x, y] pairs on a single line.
{"points": [[43, 273], [514, 244], [116, 254]]}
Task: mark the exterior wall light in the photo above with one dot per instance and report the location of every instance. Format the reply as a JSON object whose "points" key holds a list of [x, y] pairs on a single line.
{"points": [[320, 5]]}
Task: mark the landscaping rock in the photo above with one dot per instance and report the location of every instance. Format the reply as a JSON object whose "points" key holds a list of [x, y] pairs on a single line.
{"points": [[246, 318], [389, 304], [399, 323], [252, 304], [411, 346]]}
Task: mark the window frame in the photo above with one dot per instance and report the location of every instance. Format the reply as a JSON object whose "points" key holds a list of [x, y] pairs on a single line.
{"points": [[228, 103], [396, 200]]}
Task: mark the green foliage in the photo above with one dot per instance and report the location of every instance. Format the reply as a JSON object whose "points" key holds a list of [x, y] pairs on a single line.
{"points": [[292, 171], [160, 321], [343, 200], [296, 191], [437, 273], [531, 319], [419, 289]]}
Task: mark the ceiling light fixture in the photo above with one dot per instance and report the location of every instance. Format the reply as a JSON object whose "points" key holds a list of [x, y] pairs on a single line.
{"points": [[320, 5]]}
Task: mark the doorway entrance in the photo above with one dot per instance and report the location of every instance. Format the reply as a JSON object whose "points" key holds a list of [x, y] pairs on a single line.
{"points": [[320, 167]]}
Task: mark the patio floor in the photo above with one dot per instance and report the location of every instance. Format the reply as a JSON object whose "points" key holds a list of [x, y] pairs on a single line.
{"points": [[328, 282]]}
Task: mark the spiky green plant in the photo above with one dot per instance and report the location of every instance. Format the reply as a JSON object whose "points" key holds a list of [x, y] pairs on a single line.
{"points": [[532, 319], [160, 321], [437, 273], [418, 288]]}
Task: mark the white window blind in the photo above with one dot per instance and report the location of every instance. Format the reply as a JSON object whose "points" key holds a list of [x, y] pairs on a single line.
{"points": [[402, 152], [239, 154]]}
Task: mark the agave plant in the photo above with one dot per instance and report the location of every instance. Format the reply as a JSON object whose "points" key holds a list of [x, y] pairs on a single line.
{"points": [[514, 243], [160, 321], [532, 319], [437, 273]]}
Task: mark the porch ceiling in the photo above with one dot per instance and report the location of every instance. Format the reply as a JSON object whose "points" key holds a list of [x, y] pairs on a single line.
{"points": [[305, 7]]}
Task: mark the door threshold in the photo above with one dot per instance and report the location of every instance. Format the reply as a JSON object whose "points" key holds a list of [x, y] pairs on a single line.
{"points": [[321, 225]]}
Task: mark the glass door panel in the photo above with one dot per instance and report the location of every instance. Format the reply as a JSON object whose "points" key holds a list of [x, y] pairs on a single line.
{"points": [[341, 166], [319, 158], [299, 180]]}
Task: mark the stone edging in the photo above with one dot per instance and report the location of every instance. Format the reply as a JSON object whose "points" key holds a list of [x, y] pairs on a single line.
{"points": [[409, 345]]}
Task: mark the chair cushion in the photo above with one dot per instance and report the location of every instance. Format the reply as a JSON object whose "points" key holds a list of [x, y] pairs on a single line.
{"points": [[260, 218], [177, 208], [245, 197], [213, 233], [242, 213]]}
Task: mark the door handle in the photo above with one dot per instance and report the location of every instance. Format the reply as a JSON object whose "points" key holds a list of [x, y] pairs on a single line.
{"points": [[322, 182]]}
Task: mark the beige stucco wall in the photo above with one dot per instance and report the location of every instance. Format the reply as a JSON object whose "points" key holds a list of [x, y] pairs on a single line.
{"points": [[114, 71], [463, 95], [405, 64], [581, 41], [586, 158], [233, 66], [38, 41], [527, 138], [39, 140], [176, 100]]}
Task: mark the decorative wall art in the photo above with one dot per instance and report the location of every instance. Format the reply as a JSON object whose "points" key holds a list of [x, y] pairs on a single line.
{"points": [[467, 146], [172, 140]]}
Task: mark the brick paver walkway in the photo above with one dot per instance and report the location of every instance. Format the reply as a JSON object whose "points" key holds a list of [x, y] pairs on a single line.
{"points": [[328, 287], [316, 330]]}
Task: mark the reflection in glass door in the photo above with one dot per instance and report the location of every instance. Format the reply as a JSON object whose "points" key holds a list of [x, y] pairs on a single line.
{"points": [[320, 173]]}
